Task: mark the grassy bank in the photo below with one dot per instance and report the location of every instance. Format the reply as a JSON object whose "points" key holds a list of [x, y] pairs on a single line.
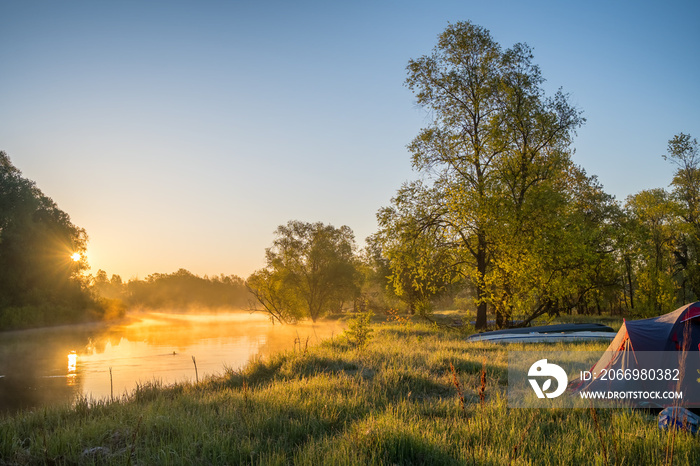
{"points": [[51, 314], [394, 402], [46, 315]]}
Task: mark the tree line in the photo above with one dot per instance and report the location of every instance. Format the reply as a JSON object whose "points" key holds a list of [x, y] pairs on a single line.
{"points": [[178, 291], [41, 257], [501, 218], [501, 222], [43, 269]]}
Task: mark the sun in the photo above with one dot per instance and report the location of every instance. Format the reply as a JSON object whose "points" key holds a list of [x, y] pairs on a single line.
{"points": [[75, 256]]}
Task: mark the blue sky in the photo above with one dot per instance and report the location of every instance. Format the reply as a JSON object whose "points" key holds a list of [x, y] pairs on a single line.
{"points": [[180, 134]]}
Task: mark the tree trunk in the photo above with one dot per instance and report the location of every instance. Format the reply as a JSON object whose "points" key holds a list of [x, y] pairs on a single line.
{"points": [[628, 264], [480, 313], [481, 322]]}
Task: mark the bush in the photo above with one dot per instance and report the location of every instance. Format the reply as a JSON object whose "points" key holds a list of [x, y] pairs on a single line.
{"points": [[359, 331]]}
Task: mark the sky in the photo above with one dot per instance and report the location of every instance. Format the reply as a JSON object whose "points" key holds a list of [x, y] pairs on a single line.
{"points": [[180, 134]]}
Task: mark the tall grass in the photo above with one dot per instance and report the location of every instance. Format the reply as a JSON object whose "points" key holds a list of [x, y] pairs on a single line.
{"points": [[394, 402]]}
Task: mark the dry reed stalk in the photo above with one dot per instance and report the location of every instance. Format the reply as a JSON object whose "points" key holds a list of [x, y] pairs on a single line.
{"points": [[196, 374], [111, 386], [456, 383]]}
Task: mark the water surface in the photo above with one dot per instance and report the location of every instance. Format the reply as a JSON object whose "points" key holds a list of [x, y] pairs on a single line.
{"points": [[55, 365]]}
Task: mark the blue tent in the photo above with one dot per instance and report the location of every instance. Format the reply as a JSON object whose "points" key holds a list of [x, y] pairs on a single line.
{"points": [[670, 341]]}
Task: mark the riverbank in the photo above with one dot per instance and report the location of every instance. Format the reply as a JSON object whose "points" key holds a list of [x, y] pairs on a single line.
{"points": [[53, 365], [32, 317], [393, 402]]}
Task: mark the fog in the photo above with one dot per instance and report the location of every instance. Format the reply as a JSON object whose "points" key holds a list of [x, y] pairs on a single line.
{"points": [[54, 365]]}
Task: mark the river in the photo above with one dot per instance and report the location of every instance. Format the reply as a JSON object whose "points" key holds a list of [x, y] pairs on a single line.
{"points": [[51, 366]]}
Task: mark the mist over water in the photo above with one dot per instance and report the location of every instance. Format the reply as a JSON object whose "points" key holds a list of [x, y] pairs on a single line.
{"points": [[55, 365]]}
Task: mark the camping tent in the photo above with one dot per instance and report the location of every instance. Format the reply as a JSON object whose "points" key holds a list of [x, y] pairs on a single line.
{"points": [[670, 341]]}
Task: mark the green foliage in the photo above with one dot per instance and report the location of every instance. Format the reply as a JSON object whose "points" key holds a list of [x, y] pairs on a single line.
{"points": [[659, 243], [651, 216], [502, 209], [683, 152], [359, 329], [275, 291], [419, 268], [311, 271], [374, 270], [37, 239], [503, 195]]}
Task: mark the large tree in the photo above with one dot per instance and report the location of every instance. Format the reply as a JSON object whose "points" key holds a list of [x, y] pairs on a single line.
{"points": [[494, 156], [41, 250], [310, 271]]}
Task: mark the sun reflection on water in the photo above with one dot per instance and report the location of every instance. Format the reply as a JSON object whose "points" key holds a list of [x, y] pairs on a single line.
{"points": [[110, 360], [72, 363]]}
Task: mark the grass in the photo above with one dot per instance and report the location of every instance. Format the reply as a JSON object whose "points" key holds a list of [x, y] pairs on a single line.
{"points": [[412, 395]]}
